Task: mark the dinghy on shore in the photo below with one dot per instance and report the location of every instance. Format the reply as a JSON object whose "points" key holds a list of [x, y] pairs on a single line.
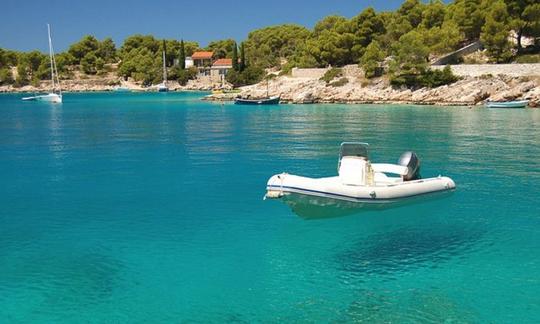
{"points": [[361, 182], [507, 104]]}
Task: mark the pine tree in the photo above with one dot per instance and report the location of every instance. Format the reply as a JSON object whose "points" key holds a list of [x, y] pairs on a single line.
{"points": [[495, 33], [235, 57], [372, 59], [243, 63], [182, 55]]}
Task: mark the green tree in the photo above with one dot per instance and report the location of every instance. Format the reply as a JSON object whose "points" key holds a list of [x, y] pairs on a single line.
{"points": [[235, 58], [7, 58], [396, 27], [495, 33], [524, 17], [22, 78], [366, 27], [88, 63], [334, 43], [444, 39], [182, 57], [372, 59], [410, 59], [6, 77], [469, 15], [433, 14], [221, 48], [412, 11], [251, 75], [267, 46], [243, 64], [86, 45], [107, 50], [183, 75]]}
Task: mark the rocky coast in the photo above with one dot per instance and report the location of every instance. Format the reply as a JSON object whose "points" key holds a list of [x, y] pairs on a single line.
{"points": [[477, 84], [472, 89]]}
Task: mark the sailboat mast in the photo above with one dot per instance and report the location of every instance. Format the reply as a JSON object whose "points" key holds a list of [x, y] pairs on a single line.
{"points": [[51, 55]]}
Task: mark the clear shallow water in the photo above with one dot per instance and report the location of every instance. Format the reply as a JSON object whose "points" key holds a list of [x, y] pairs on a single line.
{"points": [[148, 208]]}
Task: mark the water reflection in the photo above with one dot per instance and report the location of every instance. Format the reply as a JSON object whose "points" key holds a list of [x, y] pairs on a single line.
{"points": [[407, 247], [310, 207]]}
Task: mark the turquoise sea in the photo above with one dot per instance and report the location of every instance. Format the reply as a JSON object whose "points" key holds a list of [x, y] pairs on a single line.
{"points": [[147, 208]]}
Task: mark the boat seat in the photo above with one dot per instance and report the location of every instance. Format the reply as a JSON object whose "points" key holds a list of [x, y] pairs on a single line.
{"points": [[381, 178], [352, 170], [390, 168]]}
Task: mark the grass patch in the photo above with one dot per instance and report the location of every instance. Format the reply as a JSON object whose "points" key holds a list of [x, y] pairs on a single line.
{"points": [[528, 58]]}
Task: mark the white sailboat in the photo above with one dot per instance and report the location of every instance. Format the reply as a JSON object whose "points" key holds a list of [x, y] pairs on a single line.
{"points": [[162, 87], [55, 96]]}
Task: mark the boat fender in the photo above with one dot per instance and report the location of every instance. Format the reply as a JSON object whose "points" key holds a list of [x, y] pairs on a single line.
{"points": [[373, 194]]}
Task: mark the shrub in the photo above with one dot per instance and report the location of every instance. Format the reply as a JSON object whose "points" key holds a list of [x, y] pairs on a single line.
{"points": [[430, 78], [339, 83], [251, 75], [331, 74], [530, 58], [6, 77], [184, 75]]}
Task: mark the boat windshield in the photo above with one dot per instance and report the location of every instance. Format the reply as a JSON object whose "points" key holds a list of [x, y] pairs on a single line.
{"points": [[353, 149]]}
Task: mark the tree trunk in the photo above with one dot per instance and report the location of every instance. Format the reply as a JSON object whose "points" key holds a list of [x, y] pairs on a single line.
{"points": [[518, 37]]}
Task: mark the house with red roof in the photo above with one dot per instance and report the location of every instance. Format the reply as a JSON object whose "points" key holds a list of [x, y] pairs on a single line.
{"points": [[210, 69], [221, 66], [202, 59]]}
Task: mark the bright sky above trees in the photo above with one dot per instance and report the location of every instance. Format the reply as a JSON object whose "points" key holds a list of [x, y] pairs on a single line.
{"points": [[23, 23]]}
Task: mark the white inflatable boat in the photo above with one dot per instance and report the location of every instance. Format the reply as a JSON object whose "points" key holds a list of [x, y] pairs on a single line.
{"points": [[362, 182]]}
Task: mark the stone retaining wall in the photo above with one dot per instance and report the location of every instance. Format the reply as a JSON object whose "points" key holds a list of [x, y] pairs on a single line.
{"points": [[474, 70], [314, 73]]}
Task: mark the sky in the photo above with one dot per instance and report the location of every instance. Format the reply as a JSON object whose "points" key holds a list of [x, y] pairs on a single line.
{"points": [[23, 22]]}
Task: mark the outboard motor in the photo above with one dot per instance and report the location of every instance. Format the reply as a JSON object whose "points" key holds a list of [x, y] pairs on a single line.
{"points": [[412, 162]]}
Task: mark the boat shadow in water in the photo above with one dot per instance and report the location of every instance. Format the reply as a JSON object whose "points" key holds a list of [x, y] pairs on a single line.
{"points": [[312, 207], [407, 248]]}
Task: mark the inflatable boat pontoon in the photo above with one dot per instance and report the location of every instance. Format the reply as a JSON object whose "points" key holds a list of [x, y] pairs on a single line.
{"points": [[363, 182]]}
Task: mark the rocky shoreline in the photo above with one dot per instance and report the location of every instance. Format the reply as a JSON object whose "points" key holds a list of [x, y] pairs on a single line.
{"points": [[469, 91], [466, 92]]}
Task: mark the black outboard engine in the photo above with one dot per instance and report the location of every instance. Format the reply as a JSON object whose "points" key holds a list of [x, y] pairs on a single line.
{"points": [[412, 162]]}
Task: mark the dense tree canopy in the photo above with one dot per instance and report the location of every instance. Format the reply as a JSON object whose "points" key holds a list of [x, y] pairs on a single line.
{"points": [[409, 37], [264, 47]]}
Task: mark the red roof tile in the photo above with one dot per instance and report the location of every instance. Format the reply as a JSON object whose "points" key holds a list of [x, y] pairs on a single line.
{"points": [[202, 55], [223, 62]]}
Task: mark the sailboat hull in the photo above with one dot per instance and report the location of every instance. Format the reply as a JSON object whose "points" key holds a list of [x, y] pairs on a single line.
{"points": [[264, 101], [51, 97]]}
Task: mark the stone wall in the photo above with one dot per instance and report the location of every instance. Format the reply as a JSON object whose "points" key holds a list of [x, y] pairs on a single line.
{"points": [[308, 73], [352, 70], [452, 57], [514, 70]]}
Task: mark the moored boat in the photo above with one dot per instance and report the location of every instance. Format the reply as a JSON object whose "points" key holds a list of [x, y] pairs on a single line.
{"points": [[162, 87], [55, 96], [507, 104], [361, 182], [263, 101]]}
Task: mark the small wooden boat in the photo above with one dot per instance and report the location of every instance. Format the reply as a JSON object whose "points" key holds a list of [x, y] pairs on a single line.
{"points": [[264, 101], [507, 104]]}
